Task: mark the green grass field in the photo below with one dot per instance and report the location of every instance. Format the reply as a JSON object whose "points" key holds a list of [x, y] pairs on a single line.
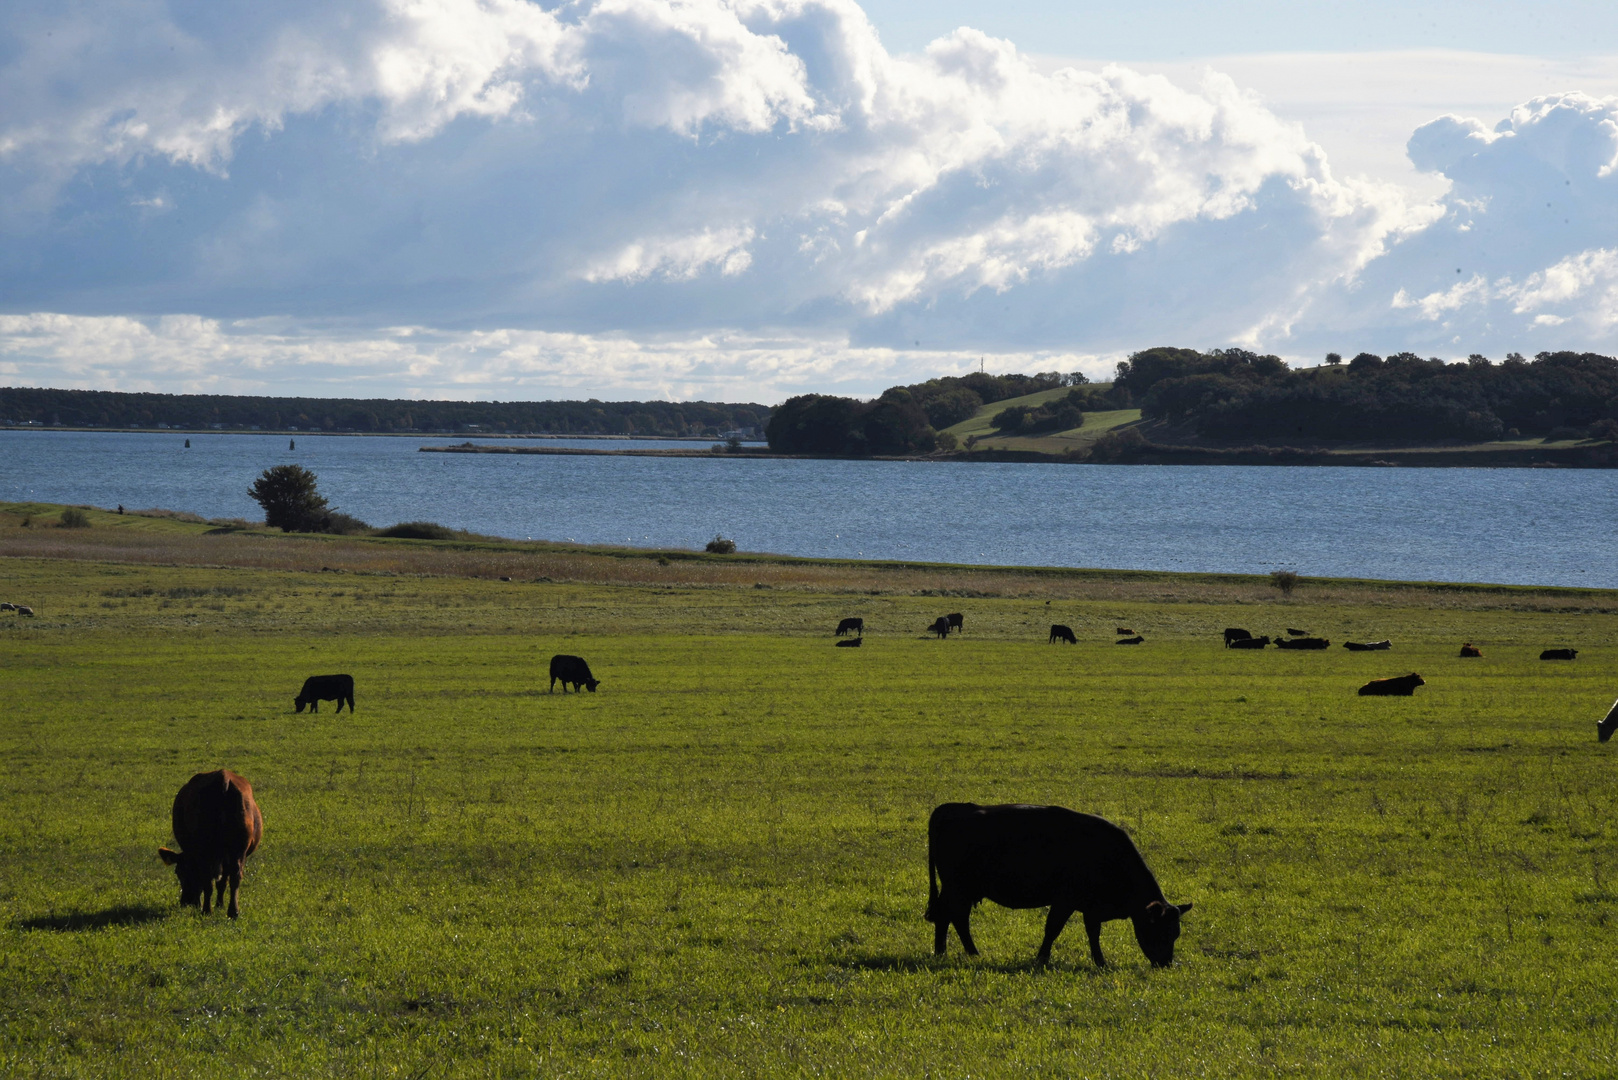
{"points": [[715, 866], [1096, 424]]}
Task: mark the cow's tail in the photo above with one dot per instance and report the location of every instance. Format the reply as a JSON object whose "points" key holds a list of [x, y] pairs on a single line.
{"points": [[932, 915]]}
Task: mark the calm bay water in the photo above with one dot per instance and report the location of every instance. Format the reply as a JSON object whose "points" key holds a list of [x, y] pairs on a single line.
{"points": [[1518, 526]]}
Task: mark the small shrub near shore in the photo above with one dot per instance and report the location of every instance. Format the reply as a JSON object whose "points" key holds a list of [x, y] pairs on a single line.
{"points": [[74, 518], [418, 530], [720, 546]]}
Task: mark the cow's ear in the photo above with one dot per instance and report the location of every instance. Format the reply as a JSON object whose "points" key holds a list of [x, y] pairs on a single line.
{"points": [[169, 857], [1184, 907]]}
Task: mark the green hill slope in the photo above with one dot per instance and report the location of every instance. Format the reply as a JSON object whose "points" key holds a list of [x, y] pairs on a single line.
{"points": [[1096, 424]]}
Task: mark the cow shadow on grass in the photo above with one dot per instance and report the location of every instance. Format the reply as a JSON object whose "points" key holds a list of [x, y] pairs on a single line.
{"points": [[117, 915], [913, 964]]}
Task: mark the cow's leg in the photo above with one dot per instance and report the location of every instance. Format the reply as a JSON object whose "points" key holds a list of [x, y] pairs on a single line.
{"points": [[940, 931], [962, 918], [235, 887], [1053, 926], [1092, 927], [207, 898], [219, 898]]}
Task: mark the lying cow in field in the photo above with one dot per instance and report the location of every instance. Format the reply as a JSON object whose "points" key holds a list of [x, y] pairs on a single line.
{"points": [[1302, 643], [1559, 654], [218, 825], [1248, 643], [1605, 728], [957, 621], [1470, 649], [1235, 633], [1062, 633], [1038, 856], [572, 669], [1136, 640], [1297, 633], [1122, 630], [1402, 686], [940, 627], [855, 625], [850, 643], [318, 688], [1367, 646]]}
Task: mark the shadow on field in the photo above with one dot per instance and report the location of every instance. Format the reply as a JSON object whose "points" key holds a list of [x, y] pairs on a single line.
{"points": [[119, 915], [911, 965]]}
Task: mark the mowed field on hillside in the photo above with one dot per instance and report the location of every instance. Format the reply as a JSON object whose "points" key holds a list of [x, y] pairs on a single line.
{"points": [[716, 865]]}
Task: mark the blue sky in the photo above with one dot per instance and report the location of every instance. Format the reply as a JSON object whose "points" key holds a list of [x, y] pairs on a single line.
{"points": [[745, 199]]}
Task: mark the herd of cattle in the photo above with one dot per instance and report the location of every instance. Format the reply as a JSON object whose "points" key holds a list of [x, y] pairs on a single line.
{"points": [[20, 609], [1016, 855]]}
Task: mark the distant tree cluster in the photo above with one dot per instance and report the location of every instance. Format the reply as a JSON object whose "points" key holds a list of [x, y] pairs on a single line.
{"points": [[911, 419], [98, 408], [1231, 395]]}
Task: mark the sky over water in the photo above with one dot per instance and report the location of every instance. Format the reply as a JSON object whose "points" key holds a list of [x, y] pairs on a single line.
{"points": [[744, 199]]}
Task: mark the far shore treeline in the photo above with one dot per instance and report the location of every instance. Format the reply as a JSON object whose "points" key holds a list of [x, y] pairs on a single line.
{"points": [[1235, 397], [110, 409]]}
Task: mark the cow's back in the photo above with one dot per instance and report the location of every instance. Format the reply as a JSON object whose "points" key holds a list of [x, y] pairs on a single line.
{"points": [[1027, 856], [215, 814]]}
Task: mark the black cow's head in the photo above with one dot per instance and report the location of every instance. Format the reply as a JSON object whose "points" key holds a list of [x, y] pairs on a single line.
{"points": [[196, 875], [297, 704], [1157, 928], [591, 684]]}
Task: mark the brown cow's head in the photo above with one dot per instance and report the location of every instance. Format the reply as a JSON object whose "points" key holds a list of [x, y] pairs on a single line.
{"points": [[1157, 928], [196, 876]]}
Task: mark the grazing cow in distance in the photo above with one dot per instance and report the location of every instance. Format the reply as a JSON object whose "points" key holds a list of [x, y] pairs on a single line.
{"points": [[856, 625], [1302, 643], [846, 643], [1470, 649], [1403, 686], [940, 627], [5, 606], [572, 669], [218, 825], [24, 610], [1122, 630], [1248, 643], [1297, 633], [1062, 633], [318, 688], [1559, 654], [1136, 640], [1367, 646], [1235, 633], [1605, 728], [957, 621], [1038, 856]]}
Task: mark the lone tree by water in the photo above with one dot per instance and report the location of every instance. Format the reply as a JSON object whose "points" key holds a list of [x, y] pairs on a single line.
{"points": [[291, 503]]}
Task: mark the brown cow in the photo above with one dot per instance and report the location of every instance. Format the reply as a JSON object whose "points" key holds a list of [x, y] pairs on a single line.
{"points": [[1470, 649], [218, 825], [1402, 686]]}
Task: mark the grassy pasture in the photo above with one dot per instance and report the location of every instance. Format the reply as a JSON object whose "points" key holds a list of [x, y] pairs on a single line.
{"points": [[1096, 424], [715, 866]]}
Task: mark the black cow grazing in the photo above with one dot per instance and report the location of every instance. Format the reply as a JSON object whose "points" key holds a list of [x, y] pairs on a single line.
{"points": [[1470, 649], [571, 669], [218, 825], [1122, 630], [1136, 640], [1062, 633], [1403, 686], [23, 609], [1038, 856], [1297, 633], [1235, 633], [1367, 646], [851, 643], [957, 621], [1605, 728], [1559, 654], [1248, 643], [855, 625], [940, 627], [318, 688], [4, 606], [1302, 643]]}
